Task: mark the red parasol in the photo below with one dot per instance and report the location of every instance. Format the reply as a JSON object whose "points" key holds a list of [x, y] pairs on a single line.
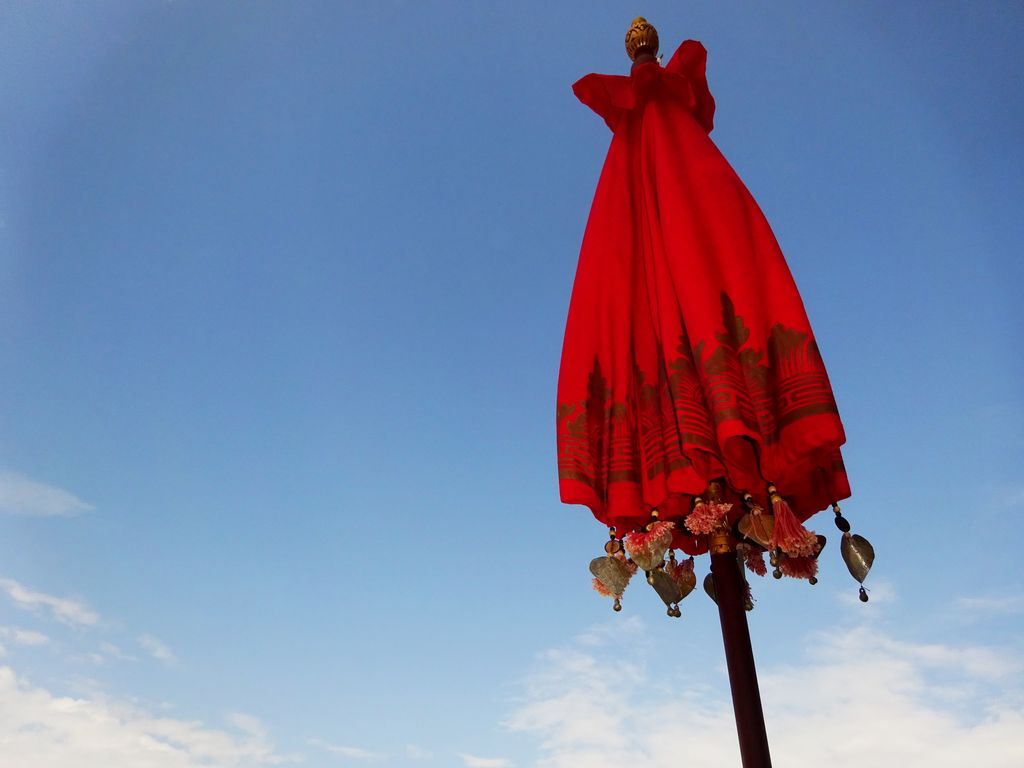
{"points": [[694, 409]]}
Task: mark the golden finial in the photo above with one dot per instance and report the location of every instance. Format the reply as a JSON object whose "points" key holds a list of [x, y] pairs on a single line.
{"points": [[641, 37]]}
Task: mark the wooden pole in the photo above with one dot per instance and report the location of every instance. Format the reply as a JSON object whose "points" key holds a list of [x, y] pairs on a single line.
{"points": [[730, 594]]}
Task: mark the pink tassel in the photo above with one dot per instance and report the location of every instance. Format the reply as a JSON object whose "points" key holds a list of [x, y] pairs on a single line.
{"points": [[799, 567], [681, 569], [753, 558], [656, 539], [787, 534], [706, 516]]}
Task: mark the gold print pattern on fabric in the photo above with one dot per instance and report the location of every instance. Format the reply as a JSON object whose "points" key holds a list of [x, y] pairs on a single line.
{"points": [[619, 437], [596, 442], [659, 428]]}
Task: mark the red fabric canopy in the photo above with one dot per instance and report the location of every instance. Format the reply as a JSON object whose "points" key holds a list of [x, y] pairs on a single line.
{"points": [[688, 355]]}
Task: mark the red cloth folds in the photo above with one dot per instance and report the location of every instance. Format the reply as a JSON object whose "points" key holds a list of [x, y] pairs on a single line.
{"points": [[688, 355]]}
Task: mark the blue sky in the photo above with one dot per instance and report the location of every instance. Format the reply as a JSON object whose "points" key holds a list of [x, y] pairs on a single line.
{"points": [[282, 291]]}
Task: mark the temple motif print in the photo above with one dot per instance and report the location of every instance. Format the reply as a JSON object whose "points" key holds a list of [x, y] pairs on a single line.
{"points": [[610, 437]]}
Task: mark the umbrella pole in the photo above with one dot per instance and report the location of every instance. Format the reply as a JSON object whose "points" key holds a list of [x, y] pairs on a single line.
{"points": [[730, 594]]}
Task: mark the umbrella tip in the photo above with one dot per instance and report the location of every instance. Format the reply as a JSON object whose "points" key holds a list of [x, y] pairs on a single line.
{"points": [[641, 40]]}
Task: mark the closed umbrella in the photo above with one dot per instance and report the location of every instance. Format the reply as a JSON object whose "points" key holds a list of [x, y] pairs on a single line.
{"points": [[694, 411]]}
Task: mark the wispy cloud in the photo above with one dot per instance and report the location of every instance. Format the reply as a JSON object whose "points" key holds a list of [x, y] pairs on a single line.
{"points": [[42, 730], [990, 605], [858, 696], [60, 608], [115, 652], [24, 636], [20, 495], [352, 753], [29, 637], [417, 753], [472, 761], [157, 649]]}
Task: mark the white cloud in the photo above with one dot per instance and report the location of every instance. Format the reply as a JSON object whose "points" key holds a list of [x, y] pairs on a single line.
{"points": [[990, 605], [157, 649], [24, 636], [352, 753], [61, 608], [115, 652], [859, 698], [29, 637], [472, 761], [41, 730], [417, 753], [20, 495]]}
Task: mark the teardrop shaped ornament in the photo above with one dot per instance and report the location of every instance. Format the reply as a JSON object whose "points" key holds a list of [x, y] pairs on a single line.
{"points": [[858, 555], [687, 582], [648, 560], [709, 587], [612, 572], [757, 528], [666, 587], [822, 541]]}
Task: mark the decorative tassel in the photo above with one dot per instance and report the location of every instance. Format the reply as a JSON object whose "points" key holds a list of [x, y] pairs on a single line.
{"points": [[800, 568], [647, 548], [788, 534], [697, 512], [682, 573], [706, 516], [601, 589], [753, 558]]}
